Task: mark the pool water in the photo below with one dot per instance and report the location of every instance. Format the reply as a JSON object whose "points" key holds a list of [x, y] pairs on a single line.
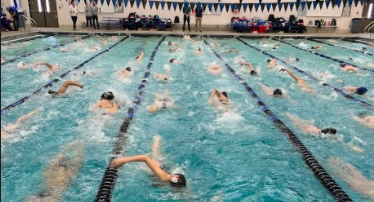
{"points": [[226, 156]]}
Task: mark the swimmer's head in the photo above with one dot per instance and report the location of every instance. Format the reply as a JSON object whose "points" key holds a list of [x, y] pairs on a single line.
{"points": [[351, 59], [84, 72], [21, 64], [170, 43], [107, 96], [361, 91], [199, 49], [253, 72], [52, 92], [269, 60], [165, 79], [128, 69], [329, 131], [58, 66], [363, 49], [343, 64], [137, 57], [178, 180], [225, 94], [257, 42], [297, 60], [172, 60], [277, 93]]}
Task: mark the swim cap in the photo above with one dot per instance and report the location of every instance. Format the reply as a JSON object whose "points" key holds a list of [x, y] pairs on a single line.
{"points": [[178, 180], [313, 47], [329, 131], [253, 72], [351, 59], [107, 96], [172, 60], [21, 64], [128, 69], [364, 49], [361, 91], [268, 60], [297, 59], [137, 57], [225, 94], [52, 92], [343, 64], [277, 92], [169, 43]]}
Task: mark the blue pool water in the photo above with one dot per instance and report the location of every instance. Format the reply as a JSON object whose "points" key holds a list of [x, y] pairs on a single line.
{"points": [[226, 156]]}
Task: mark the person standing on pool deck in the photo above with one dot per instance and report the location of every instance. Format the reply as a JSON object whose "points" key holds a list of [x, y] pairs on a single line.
{"points": [[300, 82], [95, 10], [88, 11], [73, 9], [60, 172], [199, 17], [14, 13], [64, 87], [186, 15], [308, 128], [175, 180], [107, 103], [12, 127]]}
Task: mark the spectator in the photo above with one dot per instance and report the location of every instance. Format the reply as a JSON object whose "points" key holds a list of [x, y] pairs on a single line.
{"points": [[199, 17], [88, 11], [186, 15], [5, 25], [95, 9], [15, 17], [73, 9]]}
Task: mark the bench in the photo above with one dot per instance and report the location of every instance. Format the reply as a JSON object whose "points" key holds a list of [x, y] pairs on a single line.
{"points": [[314, 26]]}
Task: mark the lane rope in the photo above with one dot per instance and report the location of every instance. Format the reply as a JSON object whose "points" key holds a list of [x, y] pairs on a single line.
{"points": [[21, 40], [57, 79], [38, 51], [334, 189], [322, 42], [324, 56], [340, 92], [110, 177]]}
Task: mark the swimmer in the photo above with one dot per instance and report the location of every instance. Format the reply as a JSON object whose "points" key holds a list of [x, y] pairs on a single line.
{"points": [[64, 49], [272, 63], [332, 41], [316, 47], [113, 39], [364, 119], [252, 71], [79, 39], [300, 82], [107, 103], [174, 44], [308, 128], [173, 50], [273, 92], [175, 180], [64, 87], [199, 51], [197, 38], [262, 42], [350, 175], [161, 102], [222, 97], [231, 51], [348, 68], [22, 65], [103, 42], [140, 58], [357, 90], [214, 43], [215, 69], [293, 60], [2, 60], [12, 127], [364, 49], [60, 172], [174, 61], [165, 78], [187, 37], [52, 68], [124, 74], [276, 46]]}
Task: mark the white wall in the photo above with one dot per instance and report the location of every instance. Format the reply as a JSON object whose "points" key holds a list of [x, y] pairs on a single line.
{"points": [[221, 19]]}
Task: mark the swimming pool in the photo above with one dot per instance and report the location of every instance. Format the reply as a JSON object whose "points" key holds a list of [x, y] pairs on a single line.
{"points": [[226, 156]]}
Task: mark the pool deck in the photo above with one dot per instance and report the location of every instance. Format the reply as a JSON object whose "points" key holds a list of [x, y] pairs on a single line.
{"points": [[7, 36]]}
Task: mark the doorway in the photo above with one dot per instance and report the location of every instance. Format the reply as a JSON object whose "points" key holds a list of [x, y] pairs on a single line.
{"points": [[44, 12]]}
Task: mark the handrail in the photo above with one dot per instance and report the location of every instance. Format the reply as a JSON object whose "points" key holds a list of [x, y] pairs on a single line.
{"points": [[369, 27], [32, 21]]}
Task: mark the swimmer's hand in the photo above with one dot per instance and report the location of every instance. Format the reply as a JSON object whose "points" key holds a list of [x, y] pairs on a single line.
{"points": [[116, 163]]}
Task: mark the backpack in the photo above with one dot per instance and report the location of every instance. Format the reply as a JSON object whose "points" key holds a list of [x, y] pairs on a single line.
{"points": [[292, 18], [271, 18], [333, 22], [176, 20]]}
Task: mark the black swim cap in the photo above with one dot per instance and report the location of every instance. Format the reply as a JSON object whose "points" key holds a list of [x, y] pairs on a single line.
{"points": [[172, 60], [297, 60], [169, 43], [225, 94], [107, 96], [178, 180], [361, 91], [277, 92], [351, 59], [52, 92], [364, 49], [329, 131], [84, 72], [253, 72], [165, 79], [343, 64], [313, 47], [128, 69], [268, 60]]}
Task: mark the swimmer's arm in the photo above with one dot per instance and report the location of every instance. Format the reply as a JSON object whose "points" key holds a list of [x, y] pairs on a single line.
{"points": [[153, 109], [141, 55], [77, 161], [25, 117], [296, 121], [297, 79], [161, 175], [96, 106], [214, 92], [266, 89]]}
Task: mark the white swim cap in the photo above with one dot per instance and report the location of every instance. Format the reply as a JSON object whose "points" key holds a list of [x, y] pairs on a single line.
{"points": [[21, 64]]}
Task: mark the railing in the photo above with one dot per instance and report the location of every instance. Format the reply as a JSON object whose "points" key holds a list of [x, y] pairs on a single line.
{"points": [[369, 27], [32, 22]]}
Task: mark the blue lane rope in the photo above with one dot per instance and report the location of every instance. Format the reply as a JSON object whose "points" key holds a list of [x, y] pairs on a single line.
{"points": [[322, 42], [334, 189], [111, 174], [6, 43], [38, 51], [340, 92], [50, 84], [324, 56]]}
